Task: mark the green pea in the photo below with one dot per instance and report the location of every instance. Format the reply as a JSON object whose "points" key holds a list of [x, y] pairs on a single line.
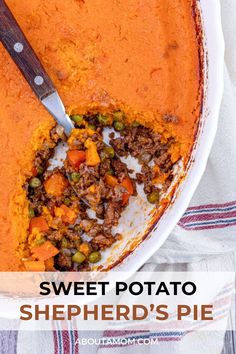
{"points": [[135, 124], [119, 126], [64, 243], [109, 151], [92, 126], [94, 257], [67, 201], [104, 120], [78, 257], [110, 172], [40, 170], [153, 197], [75, 176], [35, 182], [77, 118], [118, 115], [31, 212]]}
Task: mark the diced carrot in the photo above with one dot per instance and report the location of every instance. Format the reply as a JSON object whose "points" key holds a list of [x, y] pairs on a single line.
{"points": [[161, 178], [55, 184], [44, 251], [92, 157], [34, 266], [156, 169], [85, 248], [76, 157], [34, 171], [49, 263], [128, 185], [38, 222], [67, 215], [92, 188], [111, 180], [125, 198]]}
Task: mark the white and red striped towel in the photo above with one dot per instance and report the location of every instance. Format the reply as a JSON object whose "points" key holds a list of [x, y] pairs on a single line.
{"points": [[204, 239]]}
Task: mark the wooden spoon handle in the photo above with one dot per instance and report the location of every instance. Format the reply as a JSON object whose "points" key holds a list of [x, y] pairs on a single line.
{"points": [[23, 54]]}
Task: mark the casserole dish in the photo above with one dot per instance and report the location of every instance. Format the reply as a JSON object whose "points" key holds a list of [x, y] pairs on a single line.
{"points": [[156, 90]]}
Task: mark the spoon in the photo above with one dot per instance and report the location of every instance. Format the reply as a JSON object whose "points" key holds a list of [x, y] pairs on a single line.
{"points": [[29, 64]]}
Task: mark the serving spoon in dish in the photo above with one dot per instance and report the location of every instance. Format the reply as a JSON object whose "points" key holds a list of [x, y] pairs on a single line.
{"points": [[29, 64]]}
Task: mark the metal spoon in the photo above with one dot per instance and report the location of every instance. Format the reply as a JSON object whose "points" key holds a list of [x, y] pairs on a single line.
{"points": [[27, 61]]}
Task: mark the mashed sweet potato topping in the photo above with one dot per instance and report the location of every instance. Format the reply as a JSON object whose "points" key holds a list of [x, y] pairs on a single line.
{"points": [[140, 57]]}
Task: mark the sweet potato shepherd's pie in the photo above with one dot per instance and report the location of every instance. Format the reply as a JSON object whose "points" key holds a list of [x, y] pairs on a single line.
{"points": [[127, 69]]}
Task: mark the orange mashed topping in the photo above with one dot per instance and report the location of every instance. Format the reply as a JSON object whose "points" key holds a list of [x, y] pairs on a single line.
{"points": [[141, 57]]}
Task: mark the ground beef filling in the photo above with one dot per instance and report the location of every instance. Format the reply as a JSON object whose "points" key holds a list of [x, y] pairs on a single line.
{"points": [[74, 208]]}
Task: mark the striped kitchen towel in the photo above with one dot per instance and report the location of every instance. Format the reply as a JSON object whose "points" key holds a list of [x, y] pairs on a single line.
{"points": [[210, 216]]}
